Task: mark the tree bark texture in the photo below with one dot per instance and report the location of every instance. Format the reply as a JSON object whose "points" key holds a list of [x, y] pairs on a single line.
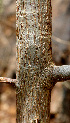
{"points": [[36, 74], [34, 54]]}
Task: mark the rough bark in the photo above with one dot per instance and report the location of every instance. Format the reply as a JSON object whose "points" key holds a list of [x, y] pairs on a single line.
{"points": [[36, 74], [35, 69], [34, 54]]}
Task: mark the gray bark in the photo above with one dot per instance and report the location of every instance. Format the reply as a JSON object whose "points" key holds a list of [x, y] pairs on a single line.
{"points": [[35, 68], [33, 55], [60, 73]]}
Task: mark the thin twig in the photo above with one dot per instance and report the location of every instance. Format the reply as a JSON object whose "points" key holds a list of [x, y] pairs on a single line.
{"points": [[9, 80], [60, 40]]}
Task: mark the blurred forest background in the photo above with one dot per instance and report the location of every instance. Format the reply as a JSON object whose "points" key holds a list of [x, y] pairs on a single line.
{"points": [[60, 99]]}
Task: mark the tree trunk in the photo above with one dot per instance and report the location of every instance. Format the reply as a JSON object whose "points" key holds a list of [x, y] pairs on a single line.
{"points": [[35, 70], [34, 54]]}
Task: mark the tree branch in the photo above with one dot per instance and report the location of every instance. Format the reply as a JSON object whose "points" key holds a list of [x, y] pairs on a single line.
{"points": [[9, 80], [60, 73]]}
